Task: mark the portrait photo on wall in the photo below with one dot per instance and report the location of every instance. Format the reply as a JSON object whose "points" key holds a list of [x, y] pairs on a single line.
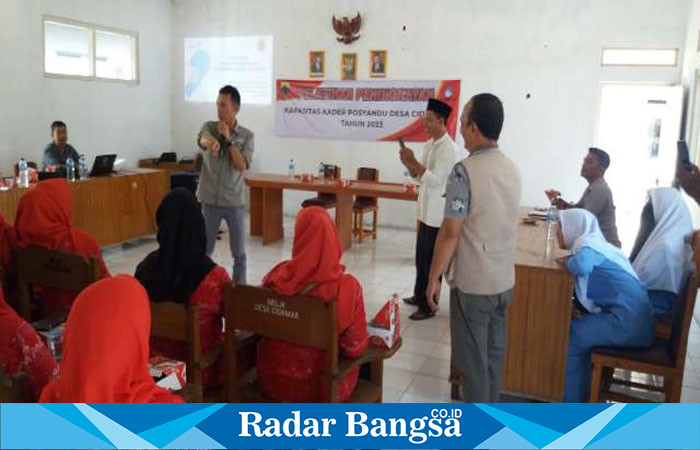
{"points": [[317, 64], [348, 66], [377, 63]]}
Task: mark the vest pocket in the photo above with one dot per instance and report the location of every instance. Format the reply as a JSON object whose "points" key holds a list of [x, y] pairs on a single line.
{"points": [[498, 247]]}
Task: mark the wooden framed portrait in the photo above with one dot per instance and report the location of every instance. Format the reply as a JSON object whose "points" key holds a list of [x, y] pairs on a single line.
{"points": [[377, 63], [317, 64], [348, 66]]}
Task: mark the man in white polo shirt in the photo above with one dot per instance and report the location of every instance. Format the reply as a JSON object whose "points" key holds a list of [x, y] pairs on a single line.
{"points": [[432, 171]]}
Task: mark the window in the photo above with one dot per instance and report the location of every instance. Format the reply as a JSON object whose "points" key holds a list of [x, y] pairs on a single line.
{"points": [[67, 49], [114, 56], [84, 51], [640, 57]]}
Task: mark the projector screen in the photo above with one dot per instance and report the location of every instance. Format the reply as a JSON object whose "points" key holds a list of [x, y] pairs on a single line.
{"points": [[242, 61]]}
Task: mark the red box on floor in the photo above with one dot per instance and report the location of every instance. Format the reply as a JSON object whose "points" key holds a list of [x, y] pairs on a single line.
{"points": [[168, 373], [384, 329]]}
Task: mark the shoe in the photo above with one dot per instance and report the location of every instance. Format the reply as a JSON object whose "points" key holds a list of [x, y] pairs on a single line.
{"points": [[421, 315], [410, 300]]}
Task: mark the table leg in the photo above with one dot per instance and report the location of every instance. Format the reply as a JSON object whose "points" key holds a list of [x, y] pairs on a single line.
{"points": [[343, 219], [272, 226], [256, 211]]}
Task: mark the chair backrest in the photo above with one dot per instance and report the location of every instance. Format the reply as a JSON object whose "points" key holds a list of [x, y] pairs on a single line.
{"points": [[14, 389], [180, 323], [681, 320], [301, 320], [368, 174], [52, 269], [31, 164], [331, 172]]}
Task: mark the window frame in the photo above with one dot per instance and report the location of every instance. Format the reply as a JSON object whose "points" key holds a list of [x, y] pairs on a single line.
{"points": [[92, 50], [676, 60]]}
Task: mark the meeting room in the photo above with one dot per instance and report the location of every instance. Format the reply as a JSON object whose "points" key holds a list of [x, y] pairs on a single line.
{"points": [[308, 201]]}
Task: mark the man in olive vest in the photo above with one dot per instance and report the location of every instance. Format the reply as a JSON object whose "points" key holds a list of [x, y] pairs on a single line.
{"points": [[477, 240]]}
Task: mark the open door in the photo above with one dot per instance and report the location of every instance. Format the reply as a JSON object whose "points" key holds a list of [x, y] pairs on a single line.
{"points": [[638, 126]]}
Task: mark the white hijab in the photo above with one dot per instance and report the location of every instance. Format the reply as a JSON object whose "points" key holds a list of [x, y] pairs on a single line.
{"points": [[580, 229], [664, 261]]}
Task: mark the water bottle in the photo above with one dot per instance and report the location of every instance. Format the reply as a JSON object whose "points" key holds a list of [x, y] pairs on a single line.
{"points": [[70, 169], [552, 219], [82, 168], [23, 172], [292, 167], [550, 244], [321, 171]]}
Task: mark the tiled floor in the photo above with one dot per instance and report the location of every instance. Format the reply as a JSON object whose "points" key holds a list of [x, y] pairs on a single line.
{"points": [[418, 373]]}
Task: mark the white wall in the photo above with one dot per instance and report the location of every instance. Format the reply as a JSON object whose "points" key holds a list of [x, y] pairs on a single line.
{"points": [[132, 120], [549, 49], [691, 64]]}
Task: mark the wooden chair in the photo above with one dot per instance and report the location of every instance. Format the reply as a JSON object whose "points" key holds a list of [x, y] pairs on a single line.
{"points": [[365, 205], [664, 358], [14, 389], [180, 323], [30, 164], [307, 321], [324, 200], [51, 269]]}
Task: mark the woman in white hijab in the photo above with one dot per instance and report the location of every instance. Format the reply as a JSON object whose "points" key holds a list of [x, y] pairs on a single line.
{"points": [[662, 255], [616, 309]]}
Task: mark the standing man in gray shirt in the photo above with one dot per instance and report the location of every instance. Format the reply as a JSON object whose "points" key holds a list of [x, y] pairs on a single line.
{"points": [[597, 199], [227, 154], [477, 240]]}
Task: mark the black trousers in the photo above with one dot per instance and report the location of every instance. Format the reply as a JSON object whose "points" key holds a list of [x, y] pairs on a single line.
{"points": [[425, 245]]}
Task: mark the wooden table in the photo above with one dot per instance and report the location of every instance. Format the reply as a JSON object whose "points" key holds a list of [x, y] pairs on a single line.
{"points": [[112, 208], [266, 201], [538, 318]]}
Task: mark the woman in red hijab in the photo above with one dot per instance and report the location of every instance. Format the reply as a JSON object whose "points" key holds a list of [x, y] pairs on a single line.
{"points": [[21, 350], [105, 351], [292, 373], [44, 217], [5, 245]]}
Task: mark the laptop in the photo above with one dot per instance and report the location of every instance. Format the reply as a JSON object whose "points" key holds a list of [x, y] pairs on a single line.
{"points": [[104, 165]]}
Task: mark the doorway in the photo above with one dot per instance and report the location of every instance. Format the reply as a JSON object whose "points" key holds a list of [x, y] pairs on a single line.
{"points": [[638, 125]]}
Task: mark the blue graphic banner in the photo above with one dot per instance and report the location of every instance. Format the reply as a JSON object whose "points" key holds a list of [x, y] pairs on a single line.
{"points": [[387, 426]]}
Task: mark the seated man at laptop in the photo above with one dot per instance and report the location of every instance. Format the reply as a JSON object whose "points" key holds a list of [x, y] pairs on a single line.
{"points": [[57, 152]]}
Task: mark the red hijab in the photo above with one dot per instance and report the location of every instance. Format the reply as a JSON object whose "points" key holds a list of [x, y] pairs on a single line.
{"points": [[44, 217], [106, 348], [316, 254], [22, 350]]}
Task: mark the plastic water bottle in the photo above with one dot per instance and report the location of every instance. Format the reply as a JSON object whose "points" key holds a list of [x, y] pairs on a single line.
{"points": [[321, 171], [82, 168], [292, 167], [552, 219], [23, 172], [70, 169], [550, 244]]}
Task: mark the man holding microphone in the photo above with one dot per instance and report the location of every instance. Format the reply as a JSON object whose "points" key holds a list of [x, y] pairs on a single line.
{"points": [[431, 171]]}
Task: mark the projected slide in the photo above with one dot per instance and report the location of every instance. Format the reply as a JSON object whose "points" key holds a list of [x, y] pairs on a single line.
{"points": [[242, 61]]}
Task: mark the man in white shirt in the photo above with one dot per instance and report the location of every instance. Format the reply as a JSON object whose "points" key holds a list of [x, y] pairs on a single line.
{"points": [[431, 171]]}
